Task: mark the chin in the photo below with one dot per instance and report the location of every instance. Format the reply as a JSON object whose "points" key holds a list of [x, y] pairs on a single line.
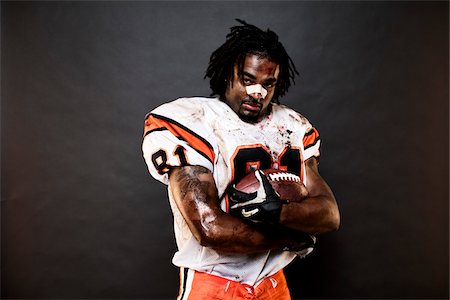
{"points": [[249, 118]]}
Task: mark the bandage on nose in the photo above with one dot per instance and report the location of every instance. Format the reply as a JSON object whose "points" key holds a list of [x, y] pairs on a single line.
{"points": [[256, 88]]}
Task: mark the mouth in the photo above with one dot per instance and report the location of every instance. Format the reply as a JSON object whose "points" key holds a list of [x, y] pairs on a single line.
{"points": [[251, 106]]}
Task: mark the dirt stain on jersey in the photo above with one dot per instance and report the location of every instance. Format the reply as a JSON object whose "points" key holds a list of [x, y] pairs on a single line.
{"points": [[198, 114], [285, 135]]}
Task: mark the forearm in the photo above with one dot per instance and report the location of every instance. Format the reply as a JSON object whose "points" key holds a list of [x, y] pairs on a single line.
{"points": [[195, 194], [314, 215], [229, 234]]}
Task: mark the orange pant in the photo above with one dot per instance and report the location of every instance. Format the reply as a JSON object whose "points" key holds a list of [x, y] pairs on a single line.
{"points": [[202, 286]]}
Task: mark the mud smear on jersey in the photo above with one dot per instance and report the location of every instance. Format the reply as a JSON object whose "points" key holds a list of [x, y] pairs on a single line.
{"points": [[199, 114]]}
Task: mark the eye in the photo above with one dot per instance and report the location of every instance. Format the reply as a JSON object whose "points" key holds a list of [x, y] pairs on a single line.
{"points": [[269, 85], [247, 81]]}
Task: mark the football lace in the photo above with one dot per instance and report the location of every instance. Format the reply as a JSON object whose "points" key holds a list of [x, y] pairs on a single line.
{"points": [[281, 176]]}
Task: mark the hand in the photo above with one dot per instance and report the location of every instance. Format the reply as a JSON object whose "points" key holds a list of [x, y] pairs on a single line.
{"points": [[303, 246], [264, 205]]}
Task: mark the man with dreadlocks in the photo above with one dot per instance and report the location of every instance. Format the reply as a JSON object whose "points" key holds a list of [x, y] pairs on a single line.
{"points": [[233, 245]]}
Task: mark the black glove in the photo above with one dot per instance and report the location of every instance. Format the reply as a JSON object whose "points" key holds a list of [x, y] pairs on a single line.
{"points": [[264, 205], [303, 246]]}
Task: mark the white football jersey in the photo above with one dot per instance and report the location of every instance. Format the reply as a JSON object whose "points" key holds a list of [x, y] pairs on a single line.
{"points": [[207, 132]]}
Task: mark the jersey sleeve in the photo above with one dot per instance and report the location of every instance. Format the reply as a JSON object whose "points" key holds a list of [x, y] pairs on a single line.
{"points": [[168, 143], [311, 143]]}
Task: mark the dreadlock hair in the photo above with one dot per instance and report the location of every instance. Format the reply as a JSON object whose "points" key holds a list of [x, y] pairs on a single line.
{"points": [[243, 40]]}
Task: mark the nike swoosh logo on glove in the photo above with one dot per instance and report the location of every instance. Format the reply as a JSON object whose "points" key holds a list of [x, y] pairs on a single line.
{"points": [[249, 213]]}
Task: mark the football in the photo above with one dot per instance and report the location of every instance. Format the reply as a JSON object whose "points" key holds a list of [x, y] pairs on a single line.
{"points": [[287, 185]]}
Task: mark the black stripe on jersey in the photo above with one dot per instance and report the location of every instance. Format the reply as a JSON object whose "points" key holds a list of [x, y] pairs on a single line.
{"points": [[185, 275], [310, 132], [314, 143], [156, 129], [191, 132], [178, 137]]}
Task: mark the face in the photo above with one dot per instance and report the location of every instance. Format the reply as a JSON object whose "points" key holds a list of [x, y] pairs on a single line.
{"points": [[250, 104]]}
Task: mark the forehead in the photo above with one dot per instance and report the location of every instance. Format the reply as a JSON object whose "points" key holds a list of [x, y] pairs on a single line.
{"points": [[260, 67]]}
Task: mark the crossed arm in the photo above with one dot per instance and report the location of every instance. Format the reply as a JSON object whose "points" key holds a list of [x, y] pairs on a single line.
{"points": [[318, 213], [196, 196]]}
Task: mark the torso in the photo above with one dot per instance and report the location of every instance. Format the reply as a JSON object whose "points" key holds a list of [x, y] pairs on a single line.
{"points": [[235, 148]]}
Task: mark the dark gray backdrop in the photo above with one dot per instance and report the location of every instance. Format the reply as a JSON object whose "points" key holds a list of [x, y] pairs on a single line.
{"points": [[81, 218]]}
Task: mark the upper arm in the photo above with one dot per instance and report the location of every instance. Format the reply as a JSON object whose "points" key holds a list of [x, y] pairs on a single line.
{"points": [[169, 144], [319, 190], [318, 212], [315, 184]]}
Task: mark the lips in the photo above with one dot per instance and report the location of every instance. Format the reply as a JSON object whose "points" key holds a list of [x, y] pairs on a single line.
{"points": [[251, 106]]}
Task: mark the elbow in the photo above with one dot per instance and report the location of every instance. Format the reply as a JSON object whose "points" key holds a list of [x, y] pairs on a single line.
{"points": [[331, 221], [206, 239], [329, 225], [207, 234], [334, 221]]}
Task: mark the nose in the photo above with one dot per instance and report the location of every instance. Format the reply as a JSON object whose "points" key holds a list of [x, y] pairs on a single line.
{"points": [[256, 91], [256, 96]]}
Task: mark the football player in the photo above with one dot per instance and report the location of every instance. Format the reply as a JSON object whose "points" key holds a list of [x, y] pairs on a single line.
{"points": [[233, 244]]}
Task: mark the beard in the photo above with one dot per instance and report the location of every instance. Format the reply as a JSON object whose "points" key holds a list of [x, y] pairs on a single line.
{"points": [[251, 111]]}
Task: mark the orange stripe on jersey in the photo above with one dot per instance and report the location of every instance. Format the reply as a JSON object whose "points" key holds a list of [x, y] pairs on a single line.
{"points": [[155, 122], [310, 138]]}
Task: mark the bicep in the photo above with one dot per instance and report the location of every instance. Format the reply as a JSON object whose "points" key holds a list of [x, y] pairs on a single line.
{"points": [[315, 184], [321, 192], [318, 212], [163, 151]]}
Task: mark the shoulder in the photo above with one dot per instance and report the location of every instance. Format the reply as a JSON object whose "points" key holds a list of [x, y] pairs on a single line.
{"points": [[191, 106], [175, 135], [289, 115], [184, 118], [188, 112]]}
